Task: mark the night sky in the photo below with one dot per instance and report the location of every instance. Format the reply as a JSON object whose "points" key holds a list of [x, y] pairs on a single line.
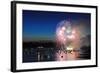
{"points": [[43, 24]]}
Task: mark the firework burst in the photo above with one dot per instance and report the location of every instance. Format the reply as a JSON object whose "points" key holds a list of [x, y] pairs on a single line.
{"points": [[67, 38]]}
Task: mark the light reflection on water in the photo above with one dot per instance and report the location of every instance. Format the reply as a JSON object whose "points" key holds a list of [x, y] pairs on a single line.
{"points": [[32, 55], [62, 56]]}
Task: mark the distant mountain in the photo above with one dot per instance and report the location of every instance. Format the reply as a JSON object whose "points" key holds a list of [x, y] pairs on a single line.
{"points": [[40, 43], [36, 39]]}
